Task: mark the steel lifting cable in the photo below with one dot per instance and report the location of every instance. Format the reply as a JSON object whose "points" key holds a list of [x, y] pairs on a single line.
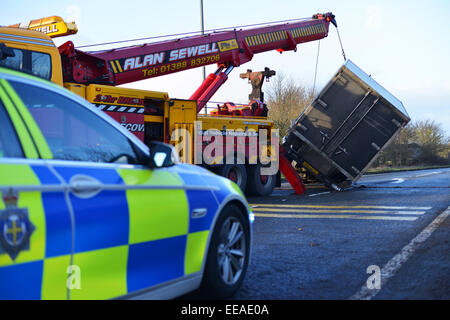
{"points": [[315, 71], [317, 59], [339, 37], [195, 32]]}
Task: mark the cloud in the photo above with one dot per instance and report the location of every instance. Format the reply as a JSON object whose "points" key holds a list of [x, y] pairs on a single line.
{"points": [[373, 21], [432, 87], [74, 14]]}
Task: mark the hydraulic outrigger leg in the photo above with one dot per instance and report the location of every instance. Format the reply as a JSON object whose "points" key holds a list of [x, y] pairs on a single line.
{"points": [[290, 173]]}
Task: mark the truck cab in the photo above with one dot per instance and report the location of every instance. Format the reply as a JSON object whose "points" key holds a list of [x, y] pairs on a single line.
{"points": [[34, 53]]}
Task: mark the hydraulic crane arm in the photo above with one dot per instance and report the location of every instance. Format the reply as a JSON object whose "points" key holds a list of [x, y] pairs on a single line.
{"points": [[228, 49]]}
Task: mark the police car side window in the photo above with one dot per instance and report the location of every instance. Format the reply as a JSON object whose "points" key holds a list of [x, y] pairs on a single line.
{"points": [[71, 130], [9, 143]]}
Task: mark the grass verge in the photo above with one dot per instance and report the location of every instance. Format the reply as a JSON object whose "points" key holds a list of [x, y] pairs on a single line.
{"points": [[396, 169]]}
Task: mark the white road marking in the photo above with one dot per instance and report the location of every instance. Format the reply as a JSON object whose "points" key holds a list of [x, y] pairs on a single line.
{"points": [[390, 269], [398, 180], [318, 194], [426, 174]]}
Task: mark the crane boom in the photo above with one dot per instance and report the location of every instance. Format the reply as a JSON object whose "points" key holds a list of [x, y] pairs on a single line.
{"points": [[225, 48]]}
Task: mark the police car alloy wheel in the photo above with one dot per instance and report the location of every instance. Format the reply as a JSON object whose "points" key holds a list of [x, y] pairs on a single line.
{"points": [[231, 251], [228, 254]]}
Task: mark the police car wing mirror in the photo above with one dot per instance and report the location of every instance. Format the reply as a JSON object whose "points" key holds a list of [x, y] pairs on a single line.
{"points": [[162, 155]]}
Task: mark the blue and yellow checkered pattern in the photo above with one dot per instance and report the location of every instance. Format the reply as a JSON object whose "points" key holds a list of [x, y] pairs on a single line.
{"points": [[123, 240]]}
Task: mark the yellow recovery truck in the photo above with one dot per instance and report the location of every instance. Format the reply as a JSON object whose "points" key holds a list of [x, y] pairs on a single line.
{"points": [[226, 141]]}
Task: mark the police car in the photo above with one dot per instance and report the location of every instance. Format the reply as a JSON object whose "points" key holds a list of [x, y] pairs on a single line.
{"points": [[87, 211]]}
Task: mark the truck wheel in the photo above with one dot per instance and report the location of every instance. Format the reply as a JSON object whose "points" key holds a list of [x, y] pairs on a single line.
{"points": [[228, 255], [257, 184], [236, 173]]}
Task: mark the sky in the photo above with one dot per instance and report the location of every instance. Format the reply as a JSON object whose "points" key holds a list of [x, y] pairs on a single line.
{"points": [[403, 45]]}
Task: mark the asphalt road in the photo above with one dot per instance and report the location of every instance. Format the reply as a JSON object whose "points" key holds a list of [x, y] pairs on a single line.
{"points": [[319, 245]]}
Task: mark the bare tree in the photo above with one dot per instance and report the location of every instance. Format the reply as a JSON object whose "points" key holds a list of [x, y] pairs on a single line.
{"points": [[421, 142], [428, 132], [399, 152], [431, 137], [286, 100]]}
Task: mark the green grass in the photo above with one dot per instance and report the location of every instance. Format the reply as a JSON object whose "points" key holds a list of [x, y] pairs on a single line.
{"points": [[396, 169]]}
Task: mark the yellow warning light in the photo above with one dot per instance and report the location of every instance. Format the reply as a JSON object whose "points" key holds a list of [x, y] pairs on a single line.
{"points": [[53, 26]]}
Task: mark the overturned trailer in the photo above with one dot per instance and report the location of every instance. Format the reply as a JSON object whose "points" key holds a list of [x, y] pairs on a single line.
{"points": [[346, 127]]}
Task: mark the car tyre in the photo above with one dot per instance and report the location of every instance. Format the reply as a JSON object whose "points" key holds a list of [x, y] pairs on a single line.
{"points": [[228, 255]]}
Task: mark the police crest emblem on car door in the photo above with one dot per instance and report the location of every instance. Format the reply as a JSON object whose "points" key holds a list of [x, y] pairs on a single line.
{"points": [[15, 226]]}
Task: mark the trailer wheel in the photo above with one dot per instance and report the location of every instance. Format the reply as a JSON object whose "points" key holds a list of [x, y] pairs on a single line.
{"points": [[236, 173], [257, 184]]}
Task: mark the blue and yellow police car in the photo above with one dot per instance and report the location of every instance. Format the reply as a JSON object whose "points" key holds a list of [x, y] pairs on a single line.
{"points": [[87, 211]]}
